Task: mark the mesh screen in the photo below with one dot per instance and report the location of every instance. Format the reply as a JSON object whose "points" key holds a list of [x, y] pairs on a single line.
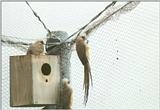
{"points": [[124, 52]]}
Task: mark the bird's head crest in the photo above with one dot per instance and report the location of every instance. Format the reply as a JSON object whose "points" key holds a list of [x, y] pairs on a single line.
{"points": [[65, 81], [40, 41]]}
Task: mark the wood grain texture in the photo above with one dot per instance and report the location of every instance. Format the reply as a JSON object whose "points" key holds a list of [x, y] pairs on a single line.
{"points": [[46, 87], [28, 85], [21, 80]]}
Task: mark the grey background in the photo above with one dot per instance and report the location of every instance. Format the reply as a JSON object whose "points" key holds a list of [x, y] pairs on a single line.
{"points": [[132, 82], [77, 0], [1, 58]]}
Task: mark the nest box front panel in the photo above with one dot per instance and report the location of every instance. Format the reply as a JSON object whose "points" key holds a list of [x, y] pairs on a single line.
{"points": [[46, 79]]}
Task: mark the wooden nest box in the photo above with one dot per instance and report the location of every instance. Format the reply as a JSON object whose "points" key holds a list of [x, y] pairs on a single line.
{"points": [[34, 80]]}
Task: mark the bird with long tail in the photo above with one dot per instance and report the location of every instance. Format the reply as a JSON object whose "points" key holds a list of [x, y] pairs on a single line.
{"points": [[82, 49]]}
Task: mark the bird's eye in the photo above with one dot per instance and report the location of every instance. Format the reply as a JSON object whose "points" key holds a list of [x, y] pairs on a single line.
{"points": [[42, 42], [83, 37]]}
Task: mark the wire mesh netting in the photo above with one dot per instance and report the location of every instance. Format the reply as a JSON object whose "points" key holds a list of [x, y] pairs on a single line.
{"points": [[124, 52]]}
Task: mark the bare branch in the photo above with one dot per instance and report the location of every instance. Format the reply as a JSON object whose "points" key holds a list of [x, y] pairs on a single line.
{"points": [[94, 18], [36, 15], [112, 13], [19, 43]]}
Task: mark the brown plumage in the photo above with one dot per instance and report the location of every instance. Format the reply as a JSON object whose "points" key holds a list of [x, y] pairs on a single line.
{"points": [[82, 49], [67, 94], [36, 48]]}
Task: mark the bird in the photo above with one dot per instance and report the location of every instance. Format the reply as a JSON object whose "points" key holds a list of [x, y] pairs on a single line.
{"points": [[36, 48], [67, 94], [82, 49]]}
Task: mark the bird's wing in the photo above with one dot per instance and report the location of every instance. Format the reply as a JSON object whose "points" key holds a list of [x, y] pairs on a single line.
{"points": [[81, 51]]}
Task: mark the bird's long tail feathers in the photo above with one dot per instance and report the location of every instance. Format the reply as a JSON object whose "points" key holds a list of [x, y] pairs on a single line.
{"points": [[87, 78]]}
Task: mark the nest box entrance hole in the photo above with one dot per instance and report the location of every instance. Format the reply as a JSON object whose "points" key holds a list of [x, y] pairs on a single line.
{"points": [[46, 70]]}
